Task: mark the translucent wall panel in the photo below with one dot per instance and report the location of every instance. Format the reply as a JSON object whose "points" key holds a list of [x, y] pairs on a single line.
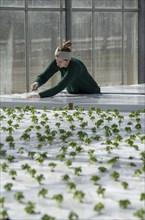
{"points": [[82, 3], [130, 47], [45, 32], [108, 48], [82, 37], [108, 3], [12, 52], [131, 3], [12, 3], [45, 3]]}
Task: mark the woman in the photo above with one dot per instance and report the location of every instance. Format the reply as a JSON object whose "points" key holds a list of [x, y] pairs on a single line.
{"points": [[74, 75]]}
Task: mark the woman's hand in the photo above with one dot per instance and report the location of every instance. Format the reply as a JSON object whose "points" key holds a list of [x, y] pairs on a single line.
{"points": [[34, 96], [34, 86]]}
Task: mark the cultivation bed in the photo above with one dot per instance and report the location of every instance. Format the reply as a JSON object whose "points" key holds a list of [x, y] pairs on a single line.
{"points": [[64, 164], [124, 98]]}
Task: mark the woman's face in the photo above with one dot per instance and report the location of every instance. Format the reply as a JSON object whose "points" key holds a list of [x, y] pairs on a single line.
{"points": [[61, 62]]}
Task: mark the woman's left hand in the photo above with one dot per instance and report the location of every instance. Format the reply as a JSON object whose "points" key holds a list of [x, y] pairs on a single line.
{"points": [[34, 96]]}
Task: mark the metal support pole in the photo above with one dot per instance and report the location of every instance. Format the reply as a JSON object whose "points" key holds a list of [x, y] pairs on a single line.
{"points": [[68, 19], [122, 72], [141, 42], [26, 47]]}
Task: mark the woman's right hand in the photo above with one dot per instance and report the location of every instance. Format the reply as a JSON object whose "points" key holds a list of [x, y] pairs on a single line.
{"points": [[34, 86]]}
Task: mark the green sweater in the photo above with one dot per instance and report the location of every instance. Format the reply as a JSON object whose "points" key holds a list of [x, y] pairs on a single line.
{"points": [[75, 78]]}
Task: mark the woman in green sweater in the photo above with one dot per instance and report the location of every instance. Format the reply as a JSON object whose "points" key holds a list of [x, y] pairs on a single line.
{"points": [[74, 75]]}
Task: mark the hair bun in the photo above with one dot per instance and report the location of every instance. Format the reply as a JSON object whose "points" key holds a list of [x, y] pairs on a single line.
{"points": [[67, 44]]}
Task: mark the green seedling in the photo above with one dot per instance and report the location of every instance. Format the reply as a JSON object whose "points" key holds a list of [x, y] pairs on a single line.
{"points": [[132, 164], [95, 179], [3, 153], [21, 150], [30, 207], [4, 214], [78, 194], [137, 172], [2, 201], [64, 137], [13, 173], [37, 127], [142, 138], [97, 138], [88, 141], [10, 130], [31, 154], [53, 133], [52, 165], [25, 136], [65, 177], [124, 203], [25, 166], [138, 126], [60, 157], [34, 119], [73, 216], [91, 152], [58, 198], [63, 149], [72, 127], [135, 147], [113, 160], [129, 141], [57, 124], [102, 169], [101, 191], [124, 185], [77, 171], [92, 160], [11, 145], [39, 159], [47, 217], [39, 146], [8, 186], [4, 166], [82, 135], [73, 154], [142, 197], [73, 144], [79, 149], [9, 138], [68, 163], [44, 155], [99, 207], [115, 175], [83, 124], [99, 123], [128, 129], [71, 186], [40, 178], [140, 213], [108, 148], [43, 192], [108, 132], [32, 172], [94, 129], [142, 155], [19, 196]]}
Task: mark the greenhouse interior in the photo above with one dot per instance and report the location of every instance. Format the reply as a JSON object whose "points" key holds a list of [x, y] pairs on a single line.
{"points": [[72, 155]]}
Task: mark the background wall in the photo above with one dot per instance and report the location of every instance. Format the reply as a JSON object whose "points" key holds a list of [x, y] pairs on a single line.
{"points": [[104, 34]]}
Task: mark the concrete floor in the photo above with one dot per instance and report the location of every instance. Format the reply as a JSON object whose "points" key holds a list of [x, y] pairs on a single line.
{"points": [[123, 98]]}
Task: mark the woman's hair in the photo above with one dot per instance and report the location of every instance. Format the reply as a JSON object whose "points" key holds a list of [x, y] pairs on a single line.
{"points": [[66, 46]]}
